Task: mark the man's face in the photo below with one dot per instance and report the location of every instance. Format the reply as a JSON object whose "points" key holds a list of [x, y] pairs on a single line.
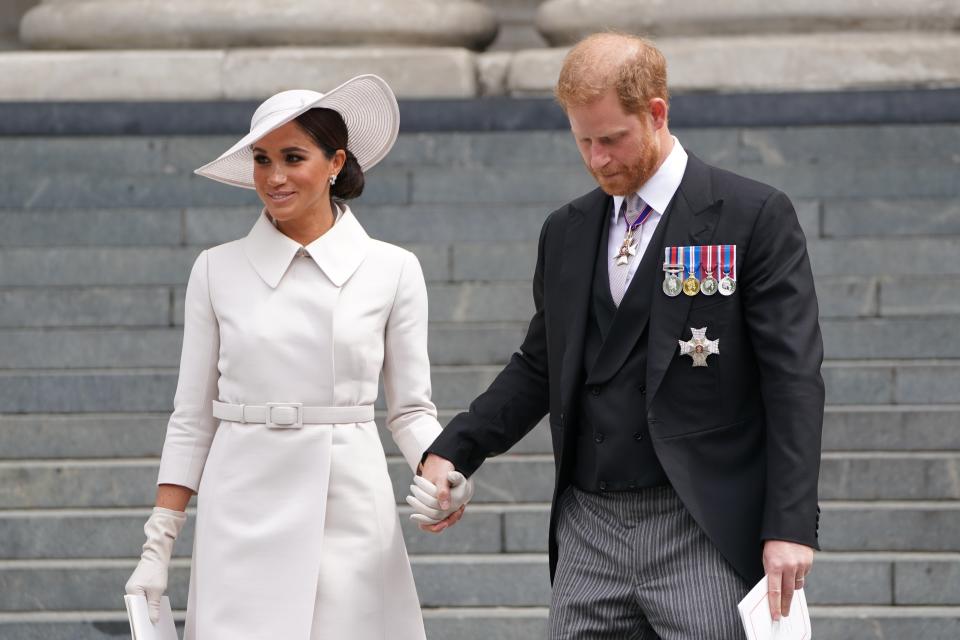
{"points": [[621, 150]]}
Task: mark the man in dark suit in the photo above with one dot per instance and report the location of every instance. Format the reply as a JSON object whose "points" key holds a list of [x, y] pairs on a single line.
{"points": [[677, 349]]}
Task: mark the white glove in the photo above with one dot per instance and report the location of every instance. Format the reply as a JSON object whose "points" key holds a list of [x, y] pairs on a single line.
{"points": [[150, 577], [426, 507]]}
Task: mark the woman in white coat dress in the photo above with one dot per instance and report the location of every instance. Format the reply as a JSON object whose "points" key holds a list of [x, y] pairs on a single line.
{"points": [[286, 333]]}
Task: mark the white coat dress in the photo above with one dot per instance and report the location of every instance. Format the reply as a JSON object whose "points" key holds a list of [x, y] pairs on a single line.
{"points": [[297, 533]]}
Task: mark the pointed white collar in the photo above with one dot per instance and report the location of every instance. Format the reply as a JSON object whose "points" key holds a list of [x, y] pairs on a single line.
{"points": [[338, 252]]}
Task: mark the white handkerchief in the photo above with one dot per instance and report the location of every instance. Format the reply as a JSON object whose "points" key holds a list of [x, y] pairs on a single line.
{"points": [[140, 626], [755, 614]]}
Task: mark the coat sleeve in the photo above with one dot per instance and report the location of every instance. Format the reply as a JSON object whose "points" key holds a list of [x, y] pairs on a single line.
{"points": [[515, 401], [411, 414], [192, 425], [781, 310]]}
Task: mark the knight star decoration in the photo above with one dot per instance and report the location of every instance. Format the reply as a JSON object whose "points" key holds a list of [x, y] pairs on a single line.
{"points": [[699, 347], [627, 251]]}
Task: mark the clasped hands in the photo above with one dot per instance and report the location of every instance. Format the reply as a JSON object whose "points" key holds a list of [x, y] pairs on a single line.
{"points": [[439, 494]]}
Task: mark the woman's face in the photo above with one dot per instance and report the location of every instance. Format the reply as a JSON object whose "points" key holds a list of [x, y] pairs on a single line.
{"points": [[292, 174]]}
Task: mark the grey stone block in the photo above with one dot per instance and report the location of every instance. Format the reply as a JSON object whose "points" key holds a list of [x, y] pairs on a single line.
{"points": [[854, 217], [87, 392], [891, 338], [526, 530], [103, 155], [95, 266], [456, 387], [891, 428], [934, 383], [44, 485], [48, 436], [847, 297], [551, 187], [808, 214], [839, 579], [857, 181], [53, 535], [889, 527], [79, 307], [487, 625], [489, 149], [443, 223], [216, 225], [77, 191], [90, 628], [481, 302], [885, 256], [103, 227], [927, 582], [895, 622], [853, 384], [435, 260], [503, 581], [876, 145], [488, 261], [472, 344], [67, 586], [72, 349], [919, 296], [479, 531], [890, 476], [383, 185]]}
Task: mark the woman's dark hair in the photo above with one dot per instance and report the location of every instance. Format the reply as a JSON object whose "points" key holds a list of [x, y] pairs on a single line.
{"points": [[329, 131]]}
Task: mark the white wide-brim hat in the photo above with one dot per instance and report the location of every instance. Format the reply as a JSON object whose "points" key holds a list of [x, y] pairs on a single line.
{"points": [[366, 104]]}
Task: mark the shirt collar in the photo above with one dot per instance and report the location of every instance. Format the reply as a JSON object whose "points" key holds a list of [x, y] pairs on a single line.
{"points": [[659, 190], [338, 252]]}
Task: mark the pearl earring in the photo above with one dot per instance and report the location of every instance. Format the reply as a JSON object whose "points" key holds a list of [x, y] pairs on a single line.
{"points": [[333, 180]]}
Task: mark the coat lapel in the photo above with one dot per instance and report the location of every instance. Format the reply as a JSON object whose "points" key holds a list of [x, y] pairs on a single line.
{"points": [[693, 217], [581, 243]]}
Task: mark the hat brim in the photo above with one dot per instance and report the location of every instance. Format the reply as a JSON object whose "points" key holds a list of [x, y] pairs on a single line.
{"points": [[368, 107]]}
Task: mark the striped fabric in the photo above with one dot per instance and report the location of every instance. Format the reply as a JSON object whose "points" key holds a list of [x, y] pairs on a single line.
{"points": [[636, 566]]}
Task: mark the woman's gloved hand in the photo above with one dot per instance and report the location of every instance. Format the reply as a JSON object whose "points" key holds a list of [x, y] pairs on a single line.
{"points": [[150, 577], [423, 498]]}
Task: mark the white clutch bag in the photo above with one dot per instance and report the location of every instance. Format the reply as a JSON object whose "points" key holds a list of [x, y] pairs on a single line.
{"points": [[755, 614], [140, 626]]}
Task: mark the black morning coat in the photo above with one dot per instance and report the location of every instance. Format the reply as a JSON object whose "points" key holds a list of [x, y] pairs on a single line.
{"points": [[739, 439]]}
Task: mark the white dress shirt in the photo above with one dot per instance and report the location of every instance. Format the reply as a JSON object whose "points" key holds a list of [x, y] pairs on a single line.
{"points": [[657, 192]]}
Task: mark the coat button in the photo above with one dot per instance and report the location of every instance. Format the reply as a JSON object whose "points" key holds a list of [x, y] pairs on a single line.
{"points": [[595, 390], [643, 390], [598, 438], [638, 436], [603, 486]]}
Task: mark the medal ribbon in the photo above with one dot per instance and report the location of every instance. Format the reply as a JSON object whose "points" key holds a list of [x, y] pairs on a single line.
{"points": [[644, 214], [692, 260], [730, 260]]}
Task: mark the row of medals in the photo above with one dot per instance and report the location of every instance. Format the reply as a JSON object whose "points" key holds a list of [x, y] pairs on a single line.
{"points": [[674, 284]]}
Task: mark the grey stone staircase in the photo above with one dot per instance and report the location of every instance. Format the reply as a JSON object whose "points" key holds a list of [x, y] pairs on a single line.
{"points": [[97, 236]]}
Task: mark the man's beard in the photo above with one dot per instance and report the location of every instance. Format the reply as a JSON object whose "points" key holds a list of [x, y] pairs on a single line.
{"points": [[631, 177]]}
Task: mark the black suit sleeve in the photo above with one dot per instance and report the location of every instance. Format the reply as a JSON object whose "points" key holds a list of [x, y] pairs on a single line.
{"points": [[780, 305], [515, 401]]}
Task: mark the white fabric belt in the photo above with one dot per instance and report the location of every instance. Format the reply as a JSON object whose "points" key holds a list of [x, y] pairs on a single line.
{"points": [[290, 415]]}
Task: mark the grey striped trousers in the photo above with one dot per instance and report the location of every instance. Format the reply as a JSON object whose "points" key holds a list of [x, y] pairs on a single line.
{"points": [[636, 566]]}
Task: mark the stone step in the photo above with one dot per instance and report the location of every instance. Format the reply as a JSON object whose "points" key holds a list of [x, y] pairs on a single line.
{"points": [[894, 428], [117, 532], [878, 260], [519, 580], [848, 382], [147, 156], [830, 622], [451, 343], [56, 305], [498, 186], [515, 478]]}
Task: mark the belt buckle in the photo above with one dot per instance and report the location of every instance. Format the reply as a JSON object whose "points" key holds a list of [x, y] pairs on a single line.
{"points": [[284, 415]]}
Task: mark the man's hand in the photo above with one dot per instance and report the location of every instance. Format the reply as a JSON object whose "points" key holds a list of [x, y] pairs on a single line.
{"points": [[436, 470], [786, 565]]}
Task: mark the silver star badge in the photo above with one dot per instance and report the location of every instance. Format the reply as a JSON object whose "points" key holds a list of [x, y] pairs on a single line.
{"points": [[699, 347], [626, 252]]}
